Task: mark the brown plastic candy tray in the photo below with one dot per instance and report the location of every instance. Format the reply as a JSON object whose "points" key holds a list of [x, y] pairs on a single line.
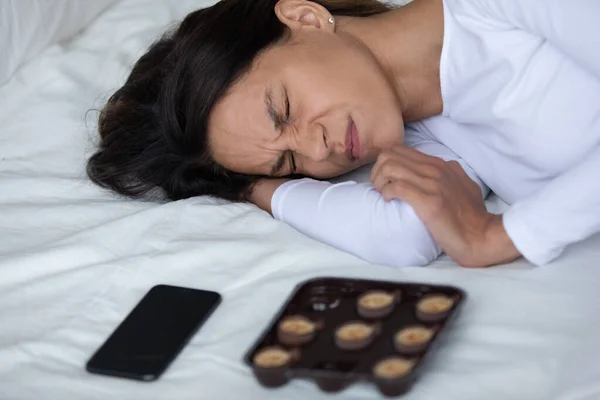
{"points": [[338, 331]]}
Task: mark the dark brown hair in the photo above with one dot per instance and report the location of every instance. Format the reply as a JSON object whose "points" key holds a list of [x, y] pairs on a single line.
{"points": [[153, 130]]}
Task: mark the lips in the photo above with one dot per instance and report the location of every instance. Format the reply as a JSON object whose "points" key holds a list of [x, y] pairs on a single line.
{"points": [[352, 141]]}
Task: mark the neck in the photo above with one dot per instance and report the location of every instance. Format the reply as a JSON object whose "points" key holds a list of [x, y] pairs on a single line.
{"points": [[407, 43]]}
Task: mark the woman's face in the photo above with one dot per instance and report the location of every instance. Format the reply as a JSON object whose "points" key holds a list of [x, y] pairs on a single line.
{"points": [[318, 105]]}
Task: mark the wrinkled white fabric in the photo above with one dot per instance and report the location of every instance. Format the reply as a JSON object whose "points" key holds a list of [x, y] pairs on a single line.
{"points": [[28, 26]]}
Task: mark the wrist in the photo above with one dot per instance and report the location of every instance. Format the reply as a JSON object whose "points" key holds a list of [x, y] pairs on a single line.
{"points": [[262, 192], [498, 247]]}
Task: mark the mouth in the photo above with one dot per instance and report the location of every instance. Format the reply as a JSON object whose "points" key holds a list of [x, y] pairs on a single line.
{"points": [[352, 141]]}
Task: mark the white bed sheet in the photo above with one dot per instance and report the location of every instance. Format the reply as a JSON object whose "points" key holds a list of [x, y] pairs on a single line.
{"points": [[75, 259]]}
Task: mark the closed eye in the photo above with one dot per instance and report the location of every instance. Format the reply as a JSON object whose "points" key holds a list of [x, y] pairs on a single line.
{"points": [[292, 162], [287, 107], [285, 156], [286, 118], [280, 119]]}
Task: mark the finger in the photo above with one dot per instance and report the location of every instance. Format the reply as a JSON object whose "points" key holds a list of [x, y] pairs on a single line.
{"points": [[419, 163], [405, 191], [382, 158], [396, 171], [425, 176], [428, 208], [390, 170], [390, 157]]}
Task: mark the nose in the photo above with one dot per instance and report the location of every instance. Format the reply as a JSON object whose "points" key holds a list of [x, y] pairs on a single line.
{"points": [[313, 144]]}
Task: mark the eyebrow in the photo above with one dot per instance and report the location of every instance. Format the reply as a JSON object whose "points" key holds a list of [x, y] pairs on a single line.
{"points": [[277, 122]]}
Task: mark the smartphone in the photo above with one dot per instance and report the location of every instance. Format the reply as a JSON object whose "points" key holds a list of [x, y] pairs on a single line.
{"points": [[154, 333]]}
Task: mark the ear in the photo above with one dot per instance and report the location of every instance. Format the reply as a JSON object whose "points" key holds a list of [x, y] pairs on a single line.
{"points": [[299, 14]]}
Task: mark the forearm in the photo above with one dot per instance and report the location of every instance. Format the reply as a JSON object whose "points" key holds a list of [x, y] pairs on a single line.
{"points": [[355, 218], [351, 217], [495, 247]]}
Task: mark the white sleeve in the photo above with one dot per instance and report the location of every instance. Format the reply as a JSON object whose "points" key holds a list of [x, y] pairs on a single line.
{"points": [[355, 218], [565, 211], [570, 25]]}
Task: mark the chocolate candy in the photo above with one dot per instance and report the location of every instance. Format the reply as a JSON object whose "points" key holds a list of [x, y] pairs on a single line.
{"points": [[434, 308], [393, 375], [271, 365], [272, 357], [354, 335], [413, 339], [393, 368], [296, 330], [376, 304]]}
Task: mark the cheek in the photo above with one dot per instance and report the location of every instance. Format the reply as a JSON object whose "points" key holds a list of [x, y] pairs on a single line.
{"points": [[387, 126], [326, 79], [393, 129]]}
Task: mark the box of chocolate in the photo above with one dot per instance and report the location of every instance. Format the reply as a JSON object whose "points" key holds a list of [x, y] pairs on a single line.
{"points": [[338, 331]]}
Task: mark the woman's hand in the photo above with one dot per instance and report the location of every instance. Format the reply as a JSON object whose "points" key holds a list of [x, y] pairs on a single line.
{"points": [[448, 202], [263, 191]]}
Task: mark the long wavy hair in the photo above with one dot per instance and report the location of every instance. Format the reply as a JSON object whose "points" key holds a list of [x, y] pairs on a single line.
{"points": [[153, 130]]}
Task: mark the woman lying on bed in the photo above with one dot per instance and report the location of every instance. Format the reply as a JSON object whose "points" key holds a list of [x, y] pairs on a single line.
{"points": [[446, 98]]}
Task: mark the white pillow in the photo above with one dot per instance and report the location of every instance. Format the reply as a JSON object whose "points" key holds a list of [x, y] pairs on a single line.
{"points": [[28, 26]]}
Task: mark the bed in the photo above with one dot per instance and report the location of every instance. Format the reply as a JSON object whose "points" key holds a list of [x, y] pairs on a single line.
{"points": [[75, 259]]}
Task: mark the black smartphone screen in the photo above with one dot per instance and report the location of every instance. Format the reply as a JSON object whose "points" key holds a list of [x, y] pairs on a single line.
{"points": [[154, 332]]}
